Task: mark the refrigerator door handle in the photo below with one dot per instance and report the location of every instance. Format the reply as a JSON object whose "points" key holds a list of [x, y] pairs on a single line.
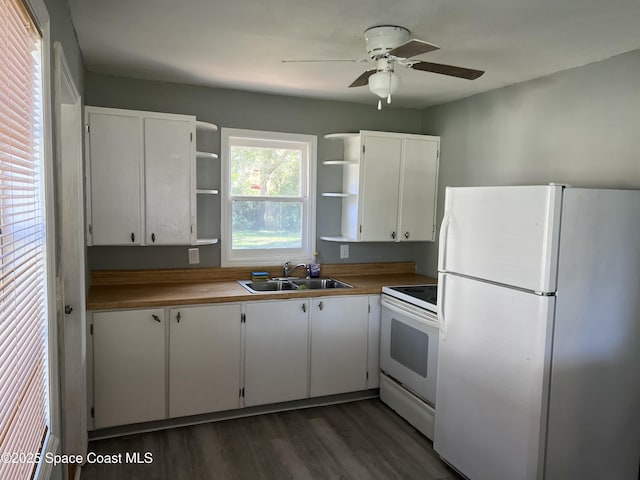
{"points": [[444, 232], [440, 305]]}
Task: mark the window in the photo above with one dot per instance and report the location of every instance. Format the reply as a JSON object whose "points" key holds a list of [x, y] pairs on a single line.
{"points": [[25, 418], [268, 197]]}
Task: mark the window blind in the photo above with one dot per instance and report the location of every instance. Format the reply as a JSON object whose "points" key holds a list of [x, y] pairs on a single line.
{"points": [[23, 296]]}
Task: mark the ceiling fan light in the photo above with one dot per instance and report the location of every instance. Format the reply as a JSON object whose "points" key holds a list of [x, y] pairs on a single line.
{"points": [[384, 84]]}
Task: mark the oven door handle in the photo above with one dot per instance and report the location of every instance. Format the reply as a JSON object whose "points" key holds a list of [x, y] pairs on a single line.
{"points": [[398, 309]]}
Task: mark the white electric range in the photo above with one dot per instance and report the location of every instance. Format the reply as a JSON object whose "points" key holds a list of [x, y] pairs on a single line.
{"points": [[409, 353]]}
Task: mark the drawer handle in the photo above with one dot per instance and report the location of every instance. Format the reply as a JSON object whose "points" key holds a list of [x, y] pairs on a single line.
{"points": [[156, 318], [133, 237], [178, 317], [304, 307], [320, 306]]}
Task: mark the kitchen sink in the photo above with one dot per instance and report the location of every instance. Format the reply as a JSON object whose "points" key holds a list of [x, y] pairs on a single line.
{"points": [[319, 283], [297, 284]]}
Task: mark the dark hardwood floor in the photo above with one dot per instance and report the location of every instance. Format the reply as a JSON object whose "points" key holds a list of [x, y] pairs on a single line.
{"points": [[358, 440]]}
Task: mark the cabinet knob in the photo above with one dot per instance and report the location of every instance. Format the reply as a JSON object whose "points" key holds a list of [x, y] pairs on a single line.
{"points": [[156, 318], [153, 237], [406, 235], [178, 317], [133, 237], [393, 235], [68, 309]]}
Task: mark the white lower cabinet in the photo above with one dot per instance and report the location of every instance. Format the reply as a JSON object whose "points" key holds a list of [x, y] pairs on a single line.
{"points": [[160, 363], [276, 351], [339, 328], [204, 359], [129, 367], [373, 351]]}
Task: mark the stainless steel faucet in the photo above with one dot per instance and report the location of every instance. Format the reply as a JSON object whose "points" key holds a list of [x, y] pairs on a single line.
{"points": [[287, 269]]}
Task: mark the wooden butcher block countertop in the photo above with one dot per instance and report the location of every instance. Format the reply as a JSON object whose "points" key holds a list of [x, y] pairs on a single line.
{"points": [[159, 288]]}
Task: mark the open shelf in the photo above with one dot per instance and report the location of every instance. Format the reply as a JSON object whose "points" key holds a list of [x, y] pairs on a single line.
{"points": [[206, 126], [341, 136], [337, 239], [208, 155], [206, 241], [336, 194], [339, 162]]}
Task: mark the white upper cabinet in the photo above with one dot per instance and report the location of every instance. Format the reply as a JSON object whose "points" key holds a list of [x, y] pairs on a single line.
{"points": [[389, 186], [141, 177], [114, 172], [380, 181], [418, 189], [169, 179]]}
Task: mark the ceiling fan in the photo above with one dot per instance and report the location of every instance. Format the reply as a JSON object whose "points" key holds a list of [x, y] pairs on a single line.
{"points": [[388, 46]]}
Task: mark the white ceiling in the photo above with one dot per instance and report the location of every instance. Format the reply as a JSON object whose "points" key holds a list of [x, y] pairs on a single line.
{"points": [[239, 44]]}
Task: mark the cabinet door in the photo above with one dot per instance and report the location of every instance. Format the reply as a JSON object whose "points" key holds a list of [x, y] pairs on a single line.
{"points": [[204, 362], [115, 169], [378, 200], [169, 192], [276, 351], [338, 345], [129, 367], [373, 351], [418, 189]]}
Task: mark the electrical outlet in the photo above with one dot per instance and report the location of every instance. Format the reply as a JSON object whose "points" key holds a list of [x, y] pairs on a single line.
{"points": [[344, 251], [194, 255]]}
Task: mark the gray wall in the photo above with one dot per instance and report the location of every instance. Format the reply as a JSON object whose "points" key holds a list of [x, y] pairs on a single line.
{"points": [[231, 108], [62, 31], [580, 127]]}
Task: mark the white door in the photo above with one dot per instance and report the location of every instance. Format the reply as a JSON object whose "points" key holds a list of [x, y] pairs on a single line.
{"points": [[169, 171], [507, 235], [338, 345], [276, 351], [204, 363], [129, 367], [418, 189], [115, 170], [71, 271], [491, 378], [378, 202]]}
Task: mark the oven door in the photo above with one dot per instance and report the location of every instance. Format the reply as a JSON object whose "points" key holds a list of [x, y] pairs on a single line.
{"points": [[409, 346]]}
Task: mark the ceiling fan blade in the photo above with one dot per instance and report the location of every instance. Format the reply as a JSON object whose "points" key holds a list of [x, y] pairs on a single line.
{"points": [[358, 60], [412, 48], [460, 72], [363, 79]]}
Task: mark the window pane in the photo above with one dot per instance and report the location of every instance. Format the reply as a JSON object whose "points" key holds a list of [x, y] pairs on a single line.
{"points": [[259, 171], [264, 224]]}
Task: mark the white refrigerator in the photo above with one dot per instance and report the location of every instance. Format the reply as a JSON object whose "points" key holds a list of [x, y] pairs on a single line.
{"points": [[539, 353]]}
